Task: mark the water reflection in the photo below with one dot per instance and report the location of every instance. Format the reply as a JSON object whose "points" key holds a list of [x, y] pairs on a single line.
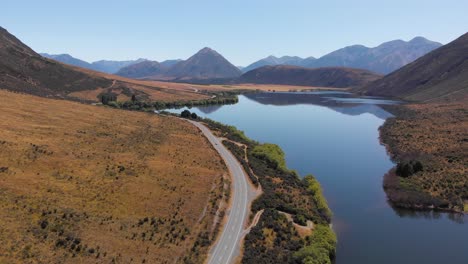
{"points": [[335, 136], [342, 102], [428, 214]]}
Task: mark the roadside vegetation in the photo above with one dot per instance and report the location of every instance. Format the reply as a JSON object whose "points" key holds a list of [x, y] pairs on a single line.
{"points": [[275, 239], [429, 144]]}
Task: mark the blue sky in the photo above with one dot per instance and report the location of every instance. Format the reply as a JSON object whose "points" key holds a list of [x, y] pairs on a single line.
{"points": [[242, 30]]}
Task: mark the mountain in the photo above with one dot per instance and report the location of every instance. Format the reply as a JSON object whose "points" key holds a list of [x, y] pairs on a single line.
{"points": [[105, 66], [24, 70], [439, 75], [205, 64], [112, 66], [385, 58], [68, 59], [272, 60], [143, 69], [294, 75], [169, 63]]}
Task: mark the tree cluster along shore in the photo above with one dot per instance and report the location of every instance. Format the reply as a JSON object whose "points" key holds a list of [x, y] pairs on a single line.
{"points": [[136, 104]]}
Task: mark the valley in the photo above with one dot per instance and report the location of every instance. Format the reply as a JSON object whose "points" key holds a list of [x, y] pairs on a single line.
{"points": [[357, 155]]}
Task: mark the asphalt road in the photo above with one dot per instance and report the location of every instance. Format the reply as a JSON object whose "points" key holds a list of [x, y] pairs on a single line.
{"points": [[227, 247]]}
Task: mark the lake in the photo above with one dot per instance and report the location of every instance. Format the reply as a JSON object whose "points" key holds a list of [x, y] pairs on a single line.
{"points": [[335, 137]]}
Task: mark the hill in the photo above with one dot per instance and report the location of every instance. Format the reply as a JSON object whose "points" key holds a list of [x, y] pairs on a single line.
{"points": [[272, 60], [440, 75], [321, 77], [86, 184], [105, 66], [205, 64], [143, 69], [383, 59], [68, 59], [23, 70]]}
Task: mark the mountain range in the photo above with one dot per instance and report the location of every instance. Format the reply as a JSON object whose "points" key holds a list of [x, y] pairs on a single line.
{"points": [[208, 64], [382, 59], [106, 66], [440, 75]]}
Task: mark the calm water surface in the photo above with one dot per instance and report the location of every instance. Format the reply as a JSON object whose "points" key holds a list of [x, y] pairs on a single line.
{"points": [[335, 137]]}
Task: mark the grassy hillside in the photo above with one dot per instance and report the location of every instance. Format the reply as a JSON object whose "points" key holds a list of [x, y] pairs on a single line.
{"points": [[441, 75], [85, 184], [323, 77]]}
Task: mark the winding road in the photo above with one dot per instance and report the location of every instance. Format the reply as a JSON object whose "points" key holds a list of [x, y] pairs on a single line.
{"points": [[227, 247]]}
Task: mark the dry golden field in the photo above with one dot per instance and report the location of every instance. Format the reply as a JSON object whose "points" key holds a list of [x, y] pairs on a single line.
{"points": [[87, 184]]}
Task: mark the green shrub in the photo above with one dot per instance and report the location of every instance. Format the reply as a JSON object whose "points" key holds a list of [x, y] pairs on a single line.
{"points": [[320, 247], [271, 153], [314, 188]]}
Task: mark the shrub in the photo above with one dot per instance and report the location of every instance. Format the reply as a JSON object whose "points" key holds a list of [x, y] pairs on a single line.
{"points": [[320, 248], [271, 153], [185, 114], [408, 168]]}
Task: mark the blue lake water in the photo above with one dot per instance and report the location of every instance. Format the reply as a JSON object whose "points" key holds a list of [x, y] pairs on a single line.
{"points": [[335, 137]]}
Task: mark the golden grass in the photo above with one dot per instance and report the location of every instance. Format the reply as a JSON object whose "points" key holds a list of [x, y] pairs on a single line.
{"points": [[83, 184]]}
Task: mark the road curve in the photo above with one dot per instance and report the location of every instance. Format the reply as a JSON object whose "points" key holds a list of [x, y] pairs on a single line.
{"points": [[228, 246]]}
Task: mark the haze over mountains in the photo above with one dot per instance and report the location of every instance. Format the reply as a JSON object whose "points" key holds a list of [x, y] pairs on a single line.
{"points": [[383, 59], [440, 75]]}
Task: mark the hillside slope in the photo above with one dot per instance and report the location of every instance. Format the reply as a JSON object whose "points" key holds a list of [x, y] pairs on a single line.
{"points": [[272, 60], [23, 70], [143, 69], [105, 66], [323, 77], [440, 75], [87, 184]]}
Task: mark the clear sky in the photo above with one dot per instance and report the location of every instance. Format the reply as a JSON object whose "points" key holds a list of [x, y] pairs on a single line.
{"points": [[242, 30]]}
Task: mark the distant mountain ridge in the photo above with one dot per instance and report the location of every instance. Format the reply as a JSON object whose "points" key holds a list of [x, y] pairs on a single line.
{"points": [[272, 60], [106, 66], [441, 75], [385, 58]]}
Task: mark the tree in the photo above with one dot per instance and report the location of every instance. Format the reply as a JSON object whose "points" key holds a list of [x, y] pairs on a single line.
{"points": [[108, 97], [185, 114], [194, 116]]}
